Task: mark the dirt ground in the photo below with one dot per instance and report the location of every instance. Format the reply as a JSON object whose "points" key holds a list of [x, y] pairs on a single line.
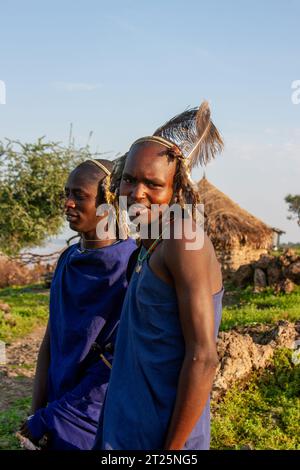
{"points": [[16, 377]]}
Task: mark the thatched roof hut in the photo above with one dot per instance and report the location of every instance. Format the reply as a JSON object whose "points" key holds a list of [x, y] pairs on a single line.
{"points": [[238, 236]]}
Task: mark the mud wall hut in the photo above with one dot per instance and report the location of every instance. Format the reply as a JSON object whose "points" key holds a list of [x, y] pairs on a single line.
{"points": [[238, 237]]}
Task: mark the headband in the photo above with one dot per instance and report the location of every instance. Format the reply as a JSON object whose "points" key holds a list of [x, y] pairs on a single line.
{"points": [[99, 165], [158, 140]]}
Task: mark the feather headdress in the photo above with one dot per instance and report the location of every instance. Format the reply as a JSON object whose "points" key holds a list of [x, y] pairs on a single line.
{"points": [[194, 133]]}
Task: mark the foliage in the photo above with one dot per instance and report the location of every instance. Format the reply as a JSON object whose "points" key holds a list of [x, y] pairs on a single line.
{"points": [[265, 415], [29, 308], [246, 308], [10, 421], [262, 415], [31, 185], [294, 206]]}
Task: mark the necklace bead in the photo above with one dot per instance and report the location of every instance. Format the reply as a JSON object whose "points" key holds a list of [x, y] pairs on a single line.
{"points": [[141, 259]]}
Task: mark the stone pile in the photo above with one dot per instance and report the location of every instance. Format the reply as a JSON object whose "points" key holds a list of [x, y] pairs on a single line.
{"points": [[246, 349], [280, 272]]}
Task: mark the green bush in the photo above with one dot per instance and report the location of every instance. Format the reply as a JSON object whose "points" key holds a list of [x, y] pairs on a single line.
{"points": [[263, 415], [32, 179]]}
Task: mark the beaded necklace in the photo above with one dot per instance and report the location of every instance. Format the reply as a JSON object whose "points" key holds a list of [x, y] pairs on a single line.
{"points": [[141, 259]]}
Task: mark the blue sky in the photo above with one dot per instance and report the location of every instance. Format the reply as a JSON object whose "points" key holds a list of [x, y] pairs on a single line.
{"points": [[121, 68]]}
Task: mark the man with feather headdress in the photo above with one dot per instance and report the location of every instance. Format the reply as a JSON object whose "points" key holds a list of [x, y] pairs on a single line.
{"points": [[165, 358]]}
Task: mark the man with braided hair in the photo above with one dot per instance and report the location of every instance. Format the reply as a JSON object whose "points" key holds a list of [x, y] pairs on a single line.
{"points": [[165, 357], [86, 298]]}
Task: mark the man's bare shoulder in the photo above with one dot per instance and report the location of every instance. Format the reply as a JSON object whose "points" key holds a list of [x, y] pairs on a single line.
{"points": [[191, 260], [187, 238]]}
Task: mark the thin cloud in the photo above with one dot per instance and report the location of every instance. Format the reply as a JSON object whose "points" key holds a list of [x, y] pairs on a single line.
{"points": [[269, 131], [76, 86]]}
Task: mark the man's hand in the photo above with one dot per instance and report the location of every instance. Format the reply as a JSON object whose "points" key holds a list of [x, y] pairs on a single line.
{"points": [[28, 441], [25, 431]]}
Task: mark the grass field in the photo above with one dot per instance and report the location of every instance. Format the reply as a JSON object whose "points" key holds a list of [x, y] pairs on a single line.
{"points": [[10, 421], [264, 415], [247, 308], [29, 309]]}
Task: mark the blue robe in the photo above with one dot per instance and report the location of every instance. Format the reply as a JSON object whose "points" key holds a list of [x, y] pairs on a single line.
{"points": [[86, 298], [149, 354]]}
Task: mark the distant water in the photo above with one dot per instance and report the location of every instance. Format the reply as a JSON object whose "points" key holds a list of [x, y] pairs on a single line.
{"points": [[54, 243]]}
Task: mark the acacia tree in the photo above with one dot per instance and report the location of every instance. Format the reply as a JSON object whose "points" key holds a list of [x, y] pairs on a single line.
{"points": [[294, 206], [32, 178]]}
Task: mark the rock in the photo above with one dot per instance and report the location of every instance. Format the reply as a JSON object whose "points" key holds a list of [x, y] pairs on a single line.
{"points": [[239, 356], [274, 272], [289, 256], [243, 276], [245, 349], [260, 280], [286, 287], [4, 307], [283, 334], [278, 272], [263, 262], [293, 272]]}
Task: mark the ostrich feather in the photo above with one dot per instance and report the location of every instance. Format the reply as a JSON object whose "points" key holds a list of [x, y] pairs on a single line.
{"points": [[194, 133]]}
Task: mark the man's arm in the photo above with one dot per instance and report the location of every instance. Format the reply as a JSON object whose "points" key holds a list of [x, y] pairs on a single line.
{"points": [[190, 271], [39, 395]]}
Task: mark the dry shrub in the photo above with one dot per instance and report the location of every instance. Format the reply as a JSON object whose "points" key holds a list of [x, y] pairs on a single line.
{"points": [[14, 273]]}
